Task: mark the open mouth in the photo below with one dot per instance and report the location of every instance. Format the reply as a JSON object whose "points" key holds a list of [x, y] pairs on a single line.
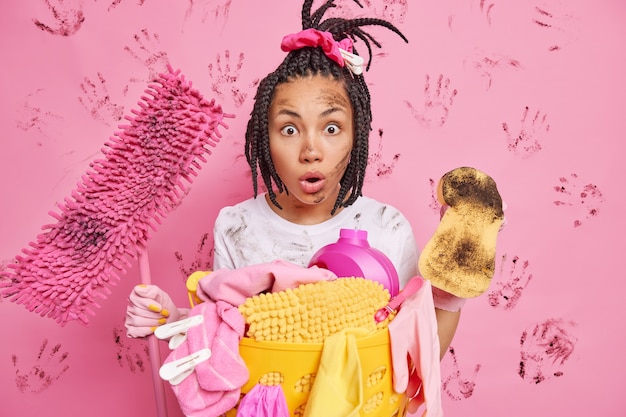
{"points": [[312, 182]]}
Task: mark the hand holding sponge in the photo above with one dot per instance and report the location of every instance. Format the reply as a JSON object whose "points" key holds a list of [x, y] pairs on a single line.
{"points": [[460, 257]]}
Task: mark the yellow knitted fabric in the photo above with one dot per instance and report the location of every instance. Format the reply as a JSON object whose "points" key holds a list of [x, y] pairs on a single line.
{"points": [[312, 312]]}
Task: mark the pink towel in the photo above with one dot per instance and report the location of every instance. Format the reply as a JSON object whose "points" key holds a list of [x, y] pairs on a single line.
{"points": [[214, 386], [234, 286]]}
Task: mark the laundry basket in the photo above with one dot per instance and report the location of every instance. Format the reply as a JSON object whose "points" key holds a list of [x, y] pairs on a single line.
{"points": [[294, 365]]}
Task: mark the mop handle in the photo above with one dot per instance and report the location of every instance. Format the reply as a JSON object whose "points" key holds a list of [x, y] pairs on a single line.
{"points": [[153, 344]]}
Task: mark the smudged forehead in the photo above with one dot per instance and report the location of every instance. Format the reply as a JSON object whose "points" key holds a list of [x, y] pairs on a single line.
{"points": [[334, 97], [323, 91]]}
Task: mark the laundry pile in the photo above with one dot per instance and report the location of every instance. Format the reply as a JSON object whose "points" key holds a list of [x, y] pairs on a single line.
{"points": [[278, 340]]}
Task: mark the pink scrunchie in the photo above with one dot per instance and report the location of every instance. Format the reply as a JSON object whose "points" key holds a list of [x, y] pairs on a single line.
{"points": [[314, 38]]}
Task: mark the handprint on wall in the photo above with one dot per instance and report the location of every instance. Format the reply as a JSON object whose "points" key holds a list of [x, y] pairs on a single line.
{"points": [[486, 7], [438, 100], [33, 117], [130, 352], [544, 349], [455, 384], [572, 192], [68, 18], [434, 204], [147, 51], [203, 260], [218, 9], [529, 138], [508, 289], [488, 65], [49, 365], [225, 78], [557, 21], [395, 11], [97, 101], [480, 17], [115, 3], [377, 167]]}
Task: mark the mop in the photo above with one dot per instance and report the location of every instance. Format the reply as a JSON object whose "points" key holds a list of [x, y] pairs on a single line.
{"points": [[146, 171]]}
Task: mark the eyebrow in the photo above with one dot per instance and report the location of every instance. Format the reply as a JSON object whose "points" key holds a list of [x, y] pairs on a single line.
{"points": [[289, 113], [325, 113], [332, 110]]}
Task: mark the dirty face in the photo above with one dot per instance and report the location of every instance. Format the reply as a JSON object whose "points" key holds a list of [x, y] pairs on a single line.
{"points": [[311, 137]]}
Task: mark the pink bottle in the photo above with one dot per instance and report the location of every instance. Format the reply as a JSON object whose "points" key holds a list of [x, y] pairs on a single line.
{"points": [[352, 256]]}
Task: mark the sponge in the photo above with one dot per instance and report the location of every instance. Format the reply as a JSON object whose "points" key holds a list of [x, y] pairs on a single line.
{"points": [[460, 256]]}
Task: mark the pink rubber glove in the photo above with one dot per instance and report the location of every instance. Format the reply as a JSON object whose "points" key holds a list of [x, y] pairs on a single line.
{"points": [[150, 307], [414, 393], [445, 301], [415, 352]]}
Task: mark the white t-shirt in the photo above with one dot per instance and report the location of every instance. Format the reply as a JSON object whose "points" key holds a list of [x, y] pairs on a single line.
{"points": [[251, 233]]}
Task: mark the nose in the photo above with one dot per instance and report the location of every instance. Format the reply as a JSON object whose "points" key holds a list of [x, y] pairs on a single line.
{"points": [[311, 151]]}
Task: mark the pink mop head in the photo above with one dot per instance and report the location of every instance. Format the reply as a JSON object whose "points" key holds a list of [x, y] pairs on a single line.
{"points": [[107, 219]]}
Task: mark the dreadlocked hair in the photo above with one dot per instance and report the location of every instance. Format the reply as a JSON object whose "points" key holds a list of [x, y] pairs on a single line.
{"points": [[309, 61]]}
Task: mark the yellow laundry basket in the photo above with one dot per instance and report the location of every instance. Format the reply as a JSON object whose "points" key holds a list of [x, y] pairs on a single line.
{"points": [[294, 365]]}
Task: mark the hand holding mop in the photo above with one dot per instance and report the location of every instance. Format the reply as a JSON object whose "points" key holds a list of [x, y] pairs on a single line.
{"points": [[107, 219]]}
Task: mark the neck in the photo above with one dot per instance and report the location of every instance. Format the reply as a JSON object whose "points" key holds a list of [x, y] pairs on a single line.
{"points": [[297, 212]]}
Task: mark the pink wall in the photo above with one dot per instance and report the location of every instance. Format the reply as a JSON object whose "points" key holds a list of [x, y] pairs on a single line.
{"points": [[72, 68]]}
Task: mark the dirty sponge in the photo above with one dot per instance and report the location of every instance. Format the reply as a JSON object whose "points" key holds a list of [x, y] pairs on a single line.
{"points": [[311, 312], [460, 256]]}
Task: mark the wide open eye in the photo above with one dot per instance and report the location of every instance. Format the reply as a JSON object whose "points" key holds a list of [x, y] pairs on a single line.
{"points": [[332, 129], [289, 130]]}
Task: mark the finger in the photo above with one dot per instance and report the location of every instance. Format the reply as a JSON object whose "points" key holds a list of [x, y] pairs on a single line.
{"points": [[416, 402], [414, 385], [152, 298], [140, 327], [147, 304], [135, 311], [151, 292], [162, 298], [145, 290], [144, 320], [138, 332], [399, 364]]}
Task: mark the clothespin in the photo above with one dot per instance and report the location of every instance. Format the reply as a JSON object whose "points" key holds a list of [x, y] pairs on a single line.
{"points": [[176, 371], [177, 330], [352, 61]]}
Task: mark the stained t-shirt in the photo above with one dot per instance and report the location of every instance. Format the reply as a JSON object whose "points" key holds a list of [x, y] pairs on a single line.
{"points": [[251, 233]]}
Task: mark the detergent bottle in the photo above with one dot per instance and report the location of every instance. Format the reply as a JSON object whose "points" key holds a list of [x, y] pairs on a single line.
{"points": [[352, 256]]}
